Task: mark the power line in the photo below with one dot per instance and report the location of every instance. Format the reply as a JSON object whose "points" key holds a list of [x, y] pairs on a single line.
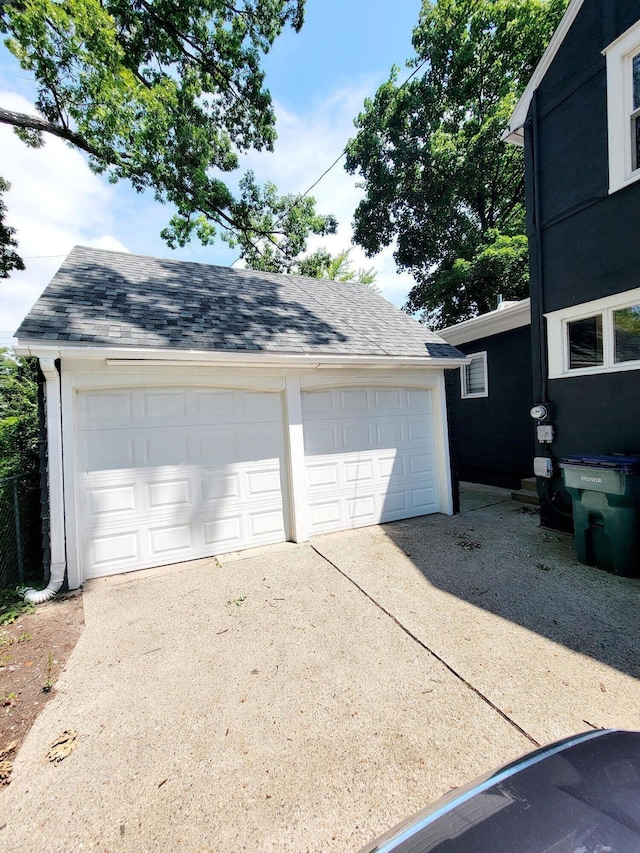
{"points": [[37, 257], [339, 157]]}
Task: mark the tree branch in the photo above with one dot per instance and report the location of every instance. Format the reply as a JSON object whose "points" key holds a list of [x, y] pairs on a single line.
{"points": [[35, 123]]}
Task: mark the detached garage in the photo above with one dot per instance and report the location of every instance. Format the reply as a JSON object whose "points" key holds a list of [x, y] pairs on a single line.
{"points": [[194, 410]]}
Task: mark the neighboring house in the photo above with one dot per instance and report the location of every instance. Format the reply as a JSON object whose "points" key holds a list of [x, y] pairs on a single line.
{"points": [[194, 410], [579, 122], [492, 438]]}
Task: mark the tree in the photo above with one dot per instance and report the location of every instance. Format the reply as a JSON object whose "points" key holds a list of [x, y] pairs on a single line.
{"points": [[18, 415], [321, 264], [437, 177], [9, 258], [165, 94]]}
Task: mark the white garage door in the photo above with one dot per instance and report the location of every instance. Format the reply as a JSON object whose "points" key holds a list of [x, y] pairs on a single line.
{"points": [[170, 474], [370, 456]]}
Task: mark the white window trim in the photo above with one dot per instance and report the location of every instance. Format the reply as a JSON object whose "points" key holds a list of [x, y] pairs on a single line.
{"points": [[463, 388], [558, 339], [619, 107]]}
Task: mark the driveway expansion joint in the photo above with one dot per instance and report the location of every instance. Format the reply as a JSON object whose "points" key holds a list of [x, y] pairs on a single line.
{"points": [[426, 648]]}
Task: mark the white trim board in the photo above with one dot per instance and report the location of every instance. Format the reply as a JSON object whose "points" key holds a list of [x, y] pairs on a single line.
{"points": [[141, 356], [514, 132], [619, 107], [81, 376], [486, 325], [557, 335]]}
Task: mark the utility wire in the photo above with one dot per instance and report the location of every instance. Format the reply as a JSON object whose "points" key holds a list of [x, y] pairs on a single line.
{"points": [[336, 161]]}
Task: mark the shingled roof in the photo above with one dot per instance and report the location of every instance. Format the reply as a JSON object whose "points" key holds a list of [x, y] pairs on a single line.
{"points": [[107, 298]]}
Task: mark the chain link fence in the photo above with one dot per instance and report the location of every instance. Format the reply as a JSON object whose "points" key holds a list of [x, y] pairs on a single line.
{"points": [[20, 530]]}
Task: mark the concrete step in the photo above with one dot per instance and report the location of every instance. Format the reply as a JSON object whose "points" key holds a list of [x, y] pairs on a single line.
{"points": [[526, 496], [530, 484]]}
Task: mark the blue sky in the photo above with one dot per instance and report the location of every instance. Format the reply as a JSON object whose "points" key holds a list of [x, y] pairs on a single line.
{"points": [[318, 80]]}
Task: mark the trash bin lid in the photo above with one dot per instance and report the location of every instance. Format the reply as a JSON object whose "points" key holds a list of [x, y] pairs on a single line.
{"points": [[625, 464]]}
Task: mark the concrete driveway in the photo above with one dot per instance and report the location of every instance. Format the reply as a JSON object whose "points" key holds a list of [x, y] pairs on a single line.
{"points": [[306, 698]]}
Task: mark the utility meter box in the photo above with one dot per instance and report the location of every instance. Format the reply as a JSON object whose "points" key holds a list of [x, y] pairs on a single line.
{"points": [[605, 491]]}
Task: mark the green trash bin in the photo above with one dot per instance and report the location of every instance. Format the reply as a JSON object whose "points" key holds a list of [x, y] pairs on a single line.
{"points": [[605, 492]]}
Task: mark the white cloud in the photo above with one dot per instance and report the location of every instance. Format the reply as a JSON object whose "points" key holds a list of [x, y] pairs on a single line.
{"points": [[307, 144], [54, 203]]}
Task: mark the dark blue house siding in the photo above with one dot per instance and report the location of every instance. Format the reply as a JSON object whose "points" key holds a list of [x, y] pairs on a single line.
{"points": [[493, 437], [584, 243]]}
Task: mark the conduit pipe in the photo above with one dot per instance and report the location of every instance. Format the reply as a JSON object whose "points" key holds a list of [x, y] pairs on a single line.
{"points": [[55, 484]]}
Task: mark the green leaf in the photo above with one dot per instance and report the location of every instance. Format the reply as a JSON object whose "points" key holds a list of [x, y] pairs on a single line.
{"points": [[437, 178]]}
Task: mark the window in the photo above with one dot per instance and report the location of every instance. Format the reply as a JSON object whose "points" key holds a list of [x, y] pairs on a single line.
{"points": [[623, 108], [585, 342], [473, 376], [596, 337]]}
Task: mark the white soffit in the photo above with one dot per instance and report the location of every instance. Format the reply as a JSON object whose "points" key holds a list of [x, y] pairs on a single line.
{"points": [[515, 132], [486, 325]]}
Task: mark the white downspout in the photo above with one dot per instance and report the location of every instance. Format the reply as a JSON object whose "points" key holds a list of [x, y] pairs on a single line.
{"points": [[56, 492]]}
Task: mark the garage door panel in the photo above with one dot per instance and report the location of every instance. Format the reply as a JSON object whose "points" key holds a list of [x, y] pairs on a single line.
{"points": [[320, 438], [169, 493], [395, 502], [104, 408], [262, 442], [419, 431], [353, 401], [262, 483], [168, 539], [215, 486], [391, 466], [316, 402], [110, 451], [389, 433], [112, 499], [262, 406], [224, 533], [214, 405], [361, 510], [164, 405], [370, 456], [419, 399], [165, 447], [114, 549], [171, 487], [325, 515], [216, 446], [422, 464], [322, 475], [388, 400], [361, 471], [356, 435]]}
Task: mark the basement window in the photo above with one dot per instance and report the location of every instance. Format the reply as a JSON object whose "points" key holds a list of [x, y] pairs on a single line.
{"points": [[473, 376]]}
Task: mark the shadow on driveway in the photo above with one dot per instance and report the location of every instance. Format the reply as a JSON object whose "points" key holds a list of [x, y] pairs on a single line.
{"points": [[495, 556]]}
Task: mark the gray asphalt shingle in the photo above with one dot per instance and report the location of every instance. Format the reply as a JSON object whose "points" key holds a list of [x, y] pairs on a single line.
{"points": [[117, 299]]}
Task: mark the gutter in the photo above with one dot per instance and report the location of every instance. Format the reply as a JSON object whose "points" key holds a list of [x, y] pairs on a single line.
{"points": [[486, 325], [53, 414], [145, 356]]}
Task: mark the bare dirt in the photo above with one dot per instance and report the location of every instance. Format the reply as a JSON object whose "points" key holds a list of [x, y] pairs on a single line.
{"points": [[33, 652]]}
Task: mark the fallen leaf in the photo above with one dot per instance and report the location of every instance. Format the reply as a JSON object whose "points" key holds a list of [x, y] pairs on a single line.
{"points": [[8, 748], [5, 771], [28, 663], [63, 746], [603, 688]]}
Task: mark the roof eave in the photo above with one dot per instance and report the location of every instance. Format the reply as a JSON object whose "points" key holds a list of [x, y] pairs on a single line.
{"points": [[513, 133], [139, 356], [487, 325]]}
